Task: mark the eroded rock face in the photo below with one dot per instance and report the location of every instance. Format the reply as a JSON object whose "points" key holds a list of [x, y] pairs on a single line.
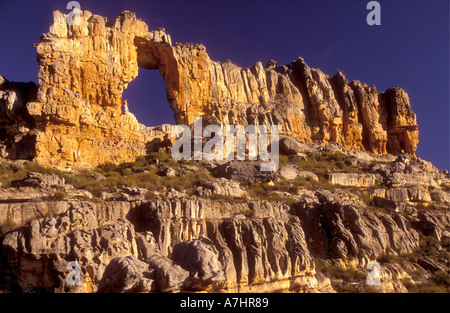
{"points": [[185, 245], [197, 246], [177, 242], [16, 140], [83, 70], [76, 116]]}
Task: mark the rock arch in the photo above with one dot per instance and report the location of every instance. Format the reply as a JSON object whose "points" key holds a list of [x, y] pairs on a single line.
{"points": [[83, 70]]}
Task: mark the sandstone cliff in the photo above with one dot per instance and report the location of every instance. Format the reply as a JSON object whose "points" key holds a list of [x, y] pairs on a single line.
{"points": [[224, 229], [349, 190], [75, 116]]}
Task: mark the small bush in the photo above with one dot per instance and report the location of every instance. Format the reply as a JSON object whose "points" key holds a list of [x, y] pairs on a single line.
{"points": [[127, 171], [108, 168], [331, 156], [59, 195], [7, 226], [222, 198], [36, 167], [283, 160], [162, 157], [96, 191], [441, 278], [388, 258], [248, 213], [344, 280], [150, 195], [10, 172], [429, 286]]}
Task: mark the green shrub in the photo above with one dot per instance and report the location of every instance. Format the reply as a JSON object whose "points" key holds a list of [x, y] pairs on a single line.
{"points": [[342, 279], [336, 272], [10, 172], [248, 213], [283, 160], [59, 195], [150, 195], [96, 191], [221, 198], [162, 157], [7, 226], [331, 156], [108, 168], [127, 171], [429, 286], [388, 258]]}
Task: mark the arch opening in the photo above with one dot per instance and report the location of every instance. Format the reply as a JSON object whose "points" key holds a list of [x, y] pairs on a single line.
{"points": [[147, 98]]}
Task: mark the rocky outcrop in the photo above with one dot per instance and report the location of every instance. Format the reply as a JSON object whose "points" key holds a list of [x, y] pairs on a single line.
{"points": [[83, 70], [292, 171], [37, 254], [354, 179], [281, 232], [75, 117], [190, 245], [16, 138]]}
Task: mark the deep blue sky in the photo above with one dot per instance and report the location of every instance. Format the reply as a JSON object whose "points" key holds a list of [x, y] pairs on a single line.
{"points": [[410, 49]]}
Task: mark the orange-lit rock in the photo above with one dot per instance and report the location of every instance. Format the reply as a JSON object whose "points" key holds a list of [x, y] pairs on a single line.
{"points": [[76, 116]]}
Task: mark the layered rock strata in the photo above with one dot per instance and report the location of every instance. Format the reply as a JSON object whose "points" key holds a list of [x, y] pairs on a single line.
{"points": [[177, 242], [189, 245], [76, 119]]}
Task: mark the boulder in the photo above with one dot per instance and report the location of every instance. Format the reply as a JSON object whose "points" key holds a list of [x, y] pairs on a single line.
{"points": [[134, 191], [380, 168], [429, 225], [38, 180], [146, 245], [389, 204], [418, 194], [126, 274], [97, 176], [201, 259], [167, 172], [249, 171], [397, 194], [225, 187], [412, 180], [292, 171], [288, 172], [290, 146], [380, 192], [168, 276], [397, 167]]}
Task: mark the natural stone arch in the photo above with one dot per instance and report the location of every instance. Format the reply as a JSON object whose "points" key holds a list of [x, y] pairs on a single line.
{"points": [[155, 52], [83, 70]]}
